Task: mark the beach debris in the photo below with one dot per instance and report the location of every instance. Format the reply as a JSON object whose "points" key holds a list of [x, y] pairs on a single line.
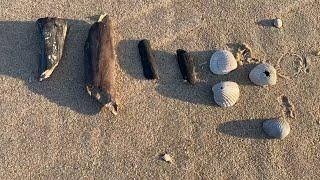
{"points": [[222, 62], [186, 66], [276, 128], [100, 64], [289, 108], [53, 32], [226, 93], [147, 60], [243, 53], [263, 75], [167, 158], [277, 23]]}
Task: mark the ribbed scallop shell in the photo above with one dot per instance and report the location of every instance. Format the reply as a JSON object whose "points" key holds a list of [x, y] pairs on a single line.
{"points": [[226, 93], [276, 128], [263, 75], [222, 62]]}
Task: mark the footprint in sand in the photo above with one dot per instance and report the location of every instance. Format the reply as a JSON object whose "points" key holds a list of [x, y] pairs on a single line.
{"points": [[288, 107], [292, 64]]}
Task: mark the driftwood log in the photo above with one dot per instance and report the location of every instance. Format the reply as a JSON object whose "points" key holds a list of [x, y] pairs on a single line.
{"points": [[100, 64], [53, 32]]}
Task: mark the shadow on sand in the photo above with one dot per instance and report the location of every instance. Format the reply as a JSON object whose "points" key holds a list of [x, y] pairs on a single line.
{"points": [[19, 43], [251, 129], [265, 22]]}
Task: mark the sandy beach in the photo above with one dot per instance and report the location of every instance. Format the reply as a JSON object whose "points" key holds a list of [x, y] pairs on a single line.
{"points": [[54, 129]]}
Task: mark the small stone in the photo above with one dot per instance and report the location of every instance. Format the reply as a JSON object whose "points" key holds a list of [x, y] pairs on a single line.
{"points": [[167, 158], [277, 23]]}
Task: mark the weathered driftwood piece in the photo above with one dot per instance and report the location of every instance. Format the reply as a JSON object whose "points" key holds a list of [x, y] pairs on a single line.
{"points": [[53, 32], [186, 66], [147, 60], [100, 64]]}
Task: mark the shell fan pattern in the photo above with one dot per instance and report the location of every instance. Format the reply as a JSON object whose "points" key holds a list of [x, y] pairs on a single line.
{"points": [[226, 93], [222, 62]]}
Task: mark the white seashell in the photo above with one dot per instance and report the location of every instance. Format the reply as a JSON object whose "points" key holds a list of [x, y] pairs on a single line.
{"points": [[263, 75], [277, 23], [222, 62], [276, 128], [226, 93]]}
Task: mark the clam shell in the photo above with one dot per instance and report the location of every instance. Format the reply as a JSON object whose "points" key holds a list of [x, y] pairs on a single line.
{"points": [[226, 93], [222, 62], [276, 128], [263, 75]]}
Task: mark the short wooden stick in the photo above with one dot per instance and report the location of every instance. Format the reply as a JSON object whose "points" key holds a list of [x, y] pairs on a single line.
{"points": [[186, 66], [147, 60]]}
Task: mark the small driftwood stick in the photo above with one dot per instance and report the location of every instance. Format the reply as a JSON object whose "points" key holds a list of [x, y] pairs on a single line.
{"points": [[147, 60], [186, 66], [53, 32], [100, 64]]}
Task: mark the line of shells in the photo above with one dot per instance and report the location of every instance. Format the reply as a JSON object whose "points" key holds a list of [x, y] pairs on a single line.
{"points": [[226, 94]]}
